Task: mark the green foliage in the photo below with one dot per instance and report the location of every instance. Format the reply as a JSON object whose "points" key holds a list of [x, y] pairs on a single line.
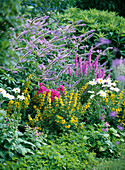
{"points": [[35, 6], [8, 18], [68, 152], [110, 5], [14, 143], [106, 24]]}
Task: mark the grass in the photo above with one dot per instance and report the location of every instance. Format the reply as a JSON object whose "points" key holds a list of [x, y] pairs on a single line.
{"points": [[113, 164]]}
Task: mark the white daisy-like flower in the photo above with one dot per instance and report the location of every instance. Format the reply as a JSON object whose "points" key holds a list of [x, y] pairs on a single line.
{"points": [[91, 92], [92, 82], [20, 97], [108, 81], [92, 96], [100, 81], [113, 84], [106, 85], [2, 91], [16, 90], [7, 95], [115, 89], [102, 93], [11, 97]]}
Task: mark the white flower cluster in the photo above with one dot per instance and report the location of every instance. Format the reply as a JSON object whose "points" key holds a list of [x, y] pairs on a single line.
{"points": [[11, 97], [105, 83]]}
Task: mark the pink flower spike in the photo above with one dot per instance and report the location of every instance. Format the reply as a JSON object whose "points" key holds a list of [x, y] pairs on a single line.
{"points": [[80, 64], [107, 77], [69, 71], [89, 58]]}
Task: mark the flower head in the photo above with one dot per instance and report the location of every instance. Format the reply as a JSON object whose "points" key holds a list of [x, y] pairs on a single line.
{"points": [[20, 97], [16, 90], [102, 93], [93, 82]]}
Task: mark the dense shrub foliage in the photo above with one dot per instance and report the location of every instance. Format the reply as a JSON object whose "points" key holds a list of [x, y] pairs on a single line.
{"points": [[42, 6], [106, 24], [9, 11]]}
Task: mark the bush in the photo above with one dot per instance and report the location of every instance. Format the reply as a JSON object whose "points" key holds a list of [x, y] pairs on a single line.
{"points": [[8, 18], [106, 24]]}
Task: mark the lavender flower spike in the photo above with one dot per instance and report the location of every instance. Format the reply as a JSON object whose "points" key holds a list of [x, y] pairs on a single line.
{"points": [[76, 61], [89, 59]]}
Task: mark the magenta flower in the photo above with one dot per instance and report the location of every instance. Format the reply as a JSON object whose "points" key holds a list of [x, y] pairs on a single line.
{"points": [[54, 94], [60, 88], [43, 89]]}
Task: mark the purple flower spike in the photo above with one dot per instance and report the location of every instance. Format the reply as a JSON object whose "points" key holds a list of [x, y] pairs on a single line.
{"points": [[113, 114], [76, 61], [104, 41]]}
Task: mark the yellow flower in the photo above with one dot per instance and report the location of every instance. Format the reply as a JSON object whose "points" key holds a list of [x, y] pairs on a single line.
{"points": [[26, 103], [67, 126], [35, 107], [118, 109], [63, 121], [60, 117], [38, 128], [30, 118], [61, 101]]}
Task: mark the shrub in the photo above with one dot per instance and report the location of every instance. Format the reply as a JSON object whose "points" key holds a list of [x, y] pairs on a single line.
{"points": [[8, 13], [106, 25]]}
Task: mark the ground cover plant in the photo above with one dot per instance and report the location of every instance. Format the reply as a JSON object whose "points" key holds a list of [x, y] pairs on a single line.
{"points": [[59, 109]]}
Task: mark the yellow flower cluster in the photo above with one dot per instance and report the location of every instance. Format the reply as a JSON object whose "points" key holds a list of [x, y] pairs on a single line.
{"points": [[74, 120], [112, 97], [106, 99], [61, 101], [85, 107], [10, 106], [83, 88], [16, 104], [67, 104], [56, 101]]}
